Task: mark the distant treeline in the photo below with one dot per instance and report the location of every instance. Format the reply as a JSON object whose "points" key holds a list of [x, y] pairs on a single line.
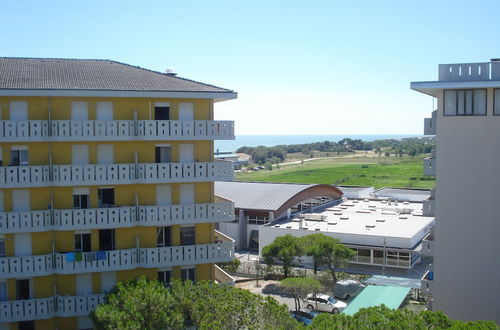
{"points": [[277, 154]]}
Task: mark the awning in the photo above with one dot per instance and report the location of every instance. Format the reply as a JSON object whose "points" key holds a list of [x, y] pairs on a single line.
{"points": [[375, 295]]}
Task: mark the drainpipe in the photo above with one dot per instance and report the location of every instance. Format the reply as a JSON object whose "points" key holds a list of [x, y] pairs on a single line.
{"points": [[137, 246], [136, 161], [135, 123], [136, 207]]}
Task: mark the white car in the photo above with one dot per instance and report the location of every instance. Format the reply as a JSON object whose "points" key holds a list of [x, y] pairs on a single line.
{"points": [[324, 303]]}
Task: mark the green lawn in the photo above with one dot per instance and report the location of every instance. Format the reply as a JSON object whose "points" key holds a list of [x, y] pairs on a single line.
{"points": [[377, 172]]}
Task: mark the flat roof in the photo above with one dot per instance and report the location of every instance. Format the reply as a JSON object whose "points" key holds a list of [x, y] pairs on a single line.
{"points": [[353, 188], [375, 295], [353, 221], [416, 195]]}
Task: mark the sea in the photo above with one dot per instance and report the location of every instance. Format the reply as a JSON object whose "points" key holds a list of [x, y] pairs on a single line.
{"points": [[273, 140]]}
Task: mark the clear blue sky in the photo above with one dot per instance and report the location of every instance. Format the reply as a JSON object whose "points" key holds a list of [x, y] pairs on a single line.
{"points": [[300, 67]]}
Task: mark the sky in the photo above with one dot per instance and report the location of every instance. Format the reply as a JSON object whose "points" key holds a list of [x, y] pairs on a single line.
{"points": [[299, 67]]}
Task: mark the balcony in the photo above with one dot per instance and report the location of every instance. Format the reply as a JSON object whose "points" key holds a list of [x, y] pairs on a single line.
{"points": [[86, 175], [104, 261], [428, 245], [470, 71], [430, 166], [430, 124], [115, 217], [114, 130], [427, 282], [46, 308]]}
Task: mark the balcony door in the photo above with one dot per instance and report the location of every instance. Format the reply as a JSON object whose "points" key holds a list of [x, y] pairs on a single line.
{"points": [[105, 154], [104, 110], [163, 154], [163, 236], [18, 110], [23, 289], [22, 245], [83, 284], [164, 194], [186, 153], [21, 200], [79, 111], [19, 156], [186, 111], [162, 111], [108, 281], [106, 239], [187, 194], [106, 197], [83, 242], [80, 154]]}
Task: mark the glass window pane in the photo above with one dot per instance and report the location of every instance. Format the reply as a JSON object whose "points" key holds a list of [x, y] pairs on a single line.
{"points": [[461, 103], [497, 102], [450, 102], [468, 102], [479, 101]]}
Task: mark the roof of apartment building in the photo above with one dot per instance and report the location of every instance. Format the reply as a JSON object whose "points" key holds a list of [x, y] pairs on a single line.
{"points": [[271, 196], [91, 74]]}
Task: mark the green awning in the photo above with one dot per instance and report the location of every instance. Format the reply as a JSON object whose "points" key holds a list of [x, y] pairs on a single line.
{"points": [[375, 295]]}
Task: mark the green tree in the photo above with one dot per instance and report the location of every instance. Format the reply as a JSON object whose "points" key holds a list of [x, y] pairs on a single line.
{"points": [[300, 287], [138, 304], [312, 246], [283, 251]]}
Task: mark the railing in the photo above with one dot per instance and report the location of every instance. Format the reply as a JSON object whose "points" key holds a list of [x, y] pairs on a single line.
{"points": [[114, 217], [85, 175], [115, 130], [221, 237], [430, 166], [102, 261], [469, 71], [428, 245], [430, 124], [222, 277], [427, 282], [45, 308]]}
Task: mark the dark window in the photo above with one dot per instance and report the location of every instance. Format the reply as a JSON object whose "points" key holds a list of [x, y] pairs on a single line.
{"points": [[106, 197], [163, 236], [254, 240], [465, 102], [18, 157], [165, 277], [163, 154], [187, 274], [162, 113], [187, 235], [81, 201], [26, 325], [82, 243], [106, 239], [23, 289]]}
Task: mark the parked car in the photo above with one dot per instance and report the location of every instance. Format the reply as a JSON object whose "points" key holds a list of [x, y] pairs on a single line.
{"points": [[304, 317], [324, 303], [347, 288]]}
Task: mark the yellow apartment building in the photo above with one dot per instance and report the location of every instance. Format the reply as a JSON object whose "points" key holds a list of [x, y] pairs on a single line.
{"points": [[107, 172]]}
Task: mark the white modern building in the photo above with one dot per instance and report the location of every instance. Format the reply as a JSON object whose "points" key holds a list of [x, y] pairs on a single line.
{"points": [[464, 281], [382, 232]]}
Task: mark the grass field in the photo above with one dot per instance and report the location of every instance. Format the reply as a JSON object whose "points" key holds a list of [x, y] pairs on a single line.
{"points": [[373, 171]]}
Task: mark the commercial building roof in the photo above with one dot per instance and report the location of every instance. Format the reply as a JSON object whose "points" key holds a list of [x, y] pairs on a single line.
{"points": [[263, 196], [375, 295], [365, 222], [91, 74], [414, 195]]}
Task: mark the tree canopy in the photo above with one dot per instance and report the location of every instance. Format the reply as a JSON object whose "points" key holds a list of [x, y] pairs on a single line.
{"points": [[283, 250], [300, 287]]}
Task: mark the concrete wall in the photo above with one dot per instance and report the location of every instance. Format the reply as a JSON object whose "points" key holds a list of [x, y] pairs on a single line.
{"points": [[467, 233]]}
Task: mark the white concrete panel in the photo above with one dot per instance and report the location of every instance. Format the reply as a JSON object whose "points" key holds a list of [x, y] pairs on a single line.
{"points": [[18, 110], [164, 194], [186, 111], [79, 111], [22, 245], [105, 154], [186, 153], [21, 200], [104, 110], [80, 154], [187, 194]]}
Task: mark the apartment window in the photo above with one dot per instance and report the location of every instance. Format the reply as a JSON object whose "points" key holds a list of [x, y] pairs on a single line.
{"points": [[23, 290], [162, 111], [165, 277], [187, 235], [3, 291], [465, 102], [163, 154], [19, 157], [496, 102], [187, 274], [106, 239], [106, 197], [80, 201], [2, 247], [163, 236], [82, 242]]}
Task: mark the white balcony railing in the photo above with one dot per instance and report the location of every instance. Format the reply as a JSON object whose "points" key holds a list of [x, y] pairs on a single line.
{"points": [[45, 308], [104, 261], [470, 71], [85, 175], [115, 217], [430, 124], [430, 166], [114, 130], [427, 282]]}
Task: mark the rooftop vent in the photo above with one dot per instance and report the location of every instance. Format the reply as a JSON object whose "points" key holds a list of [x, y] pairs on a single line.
{"points": [[289, 227], [384, 202], [314, 216], [403, 217], [406, 203], [317, 229], [389, 212], [344, 217], [347, 204], [337, 213], [277, 226], [366, 200], [380, 220], [370, 226], [171, 71], [332, 223], [355, 201], [364, 211], [343, 207]]}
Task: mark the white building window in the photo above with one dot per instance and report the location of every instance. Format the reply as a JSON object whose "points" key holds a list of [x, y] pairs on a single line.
{"points": [[19, 156], [465, 102], [188, 274], [165, 277]]}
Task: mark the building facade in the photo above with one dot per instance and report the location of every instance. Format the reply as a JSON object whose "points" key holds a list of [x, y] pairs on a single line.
{"points": [[463, 281], [107, 173]]}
